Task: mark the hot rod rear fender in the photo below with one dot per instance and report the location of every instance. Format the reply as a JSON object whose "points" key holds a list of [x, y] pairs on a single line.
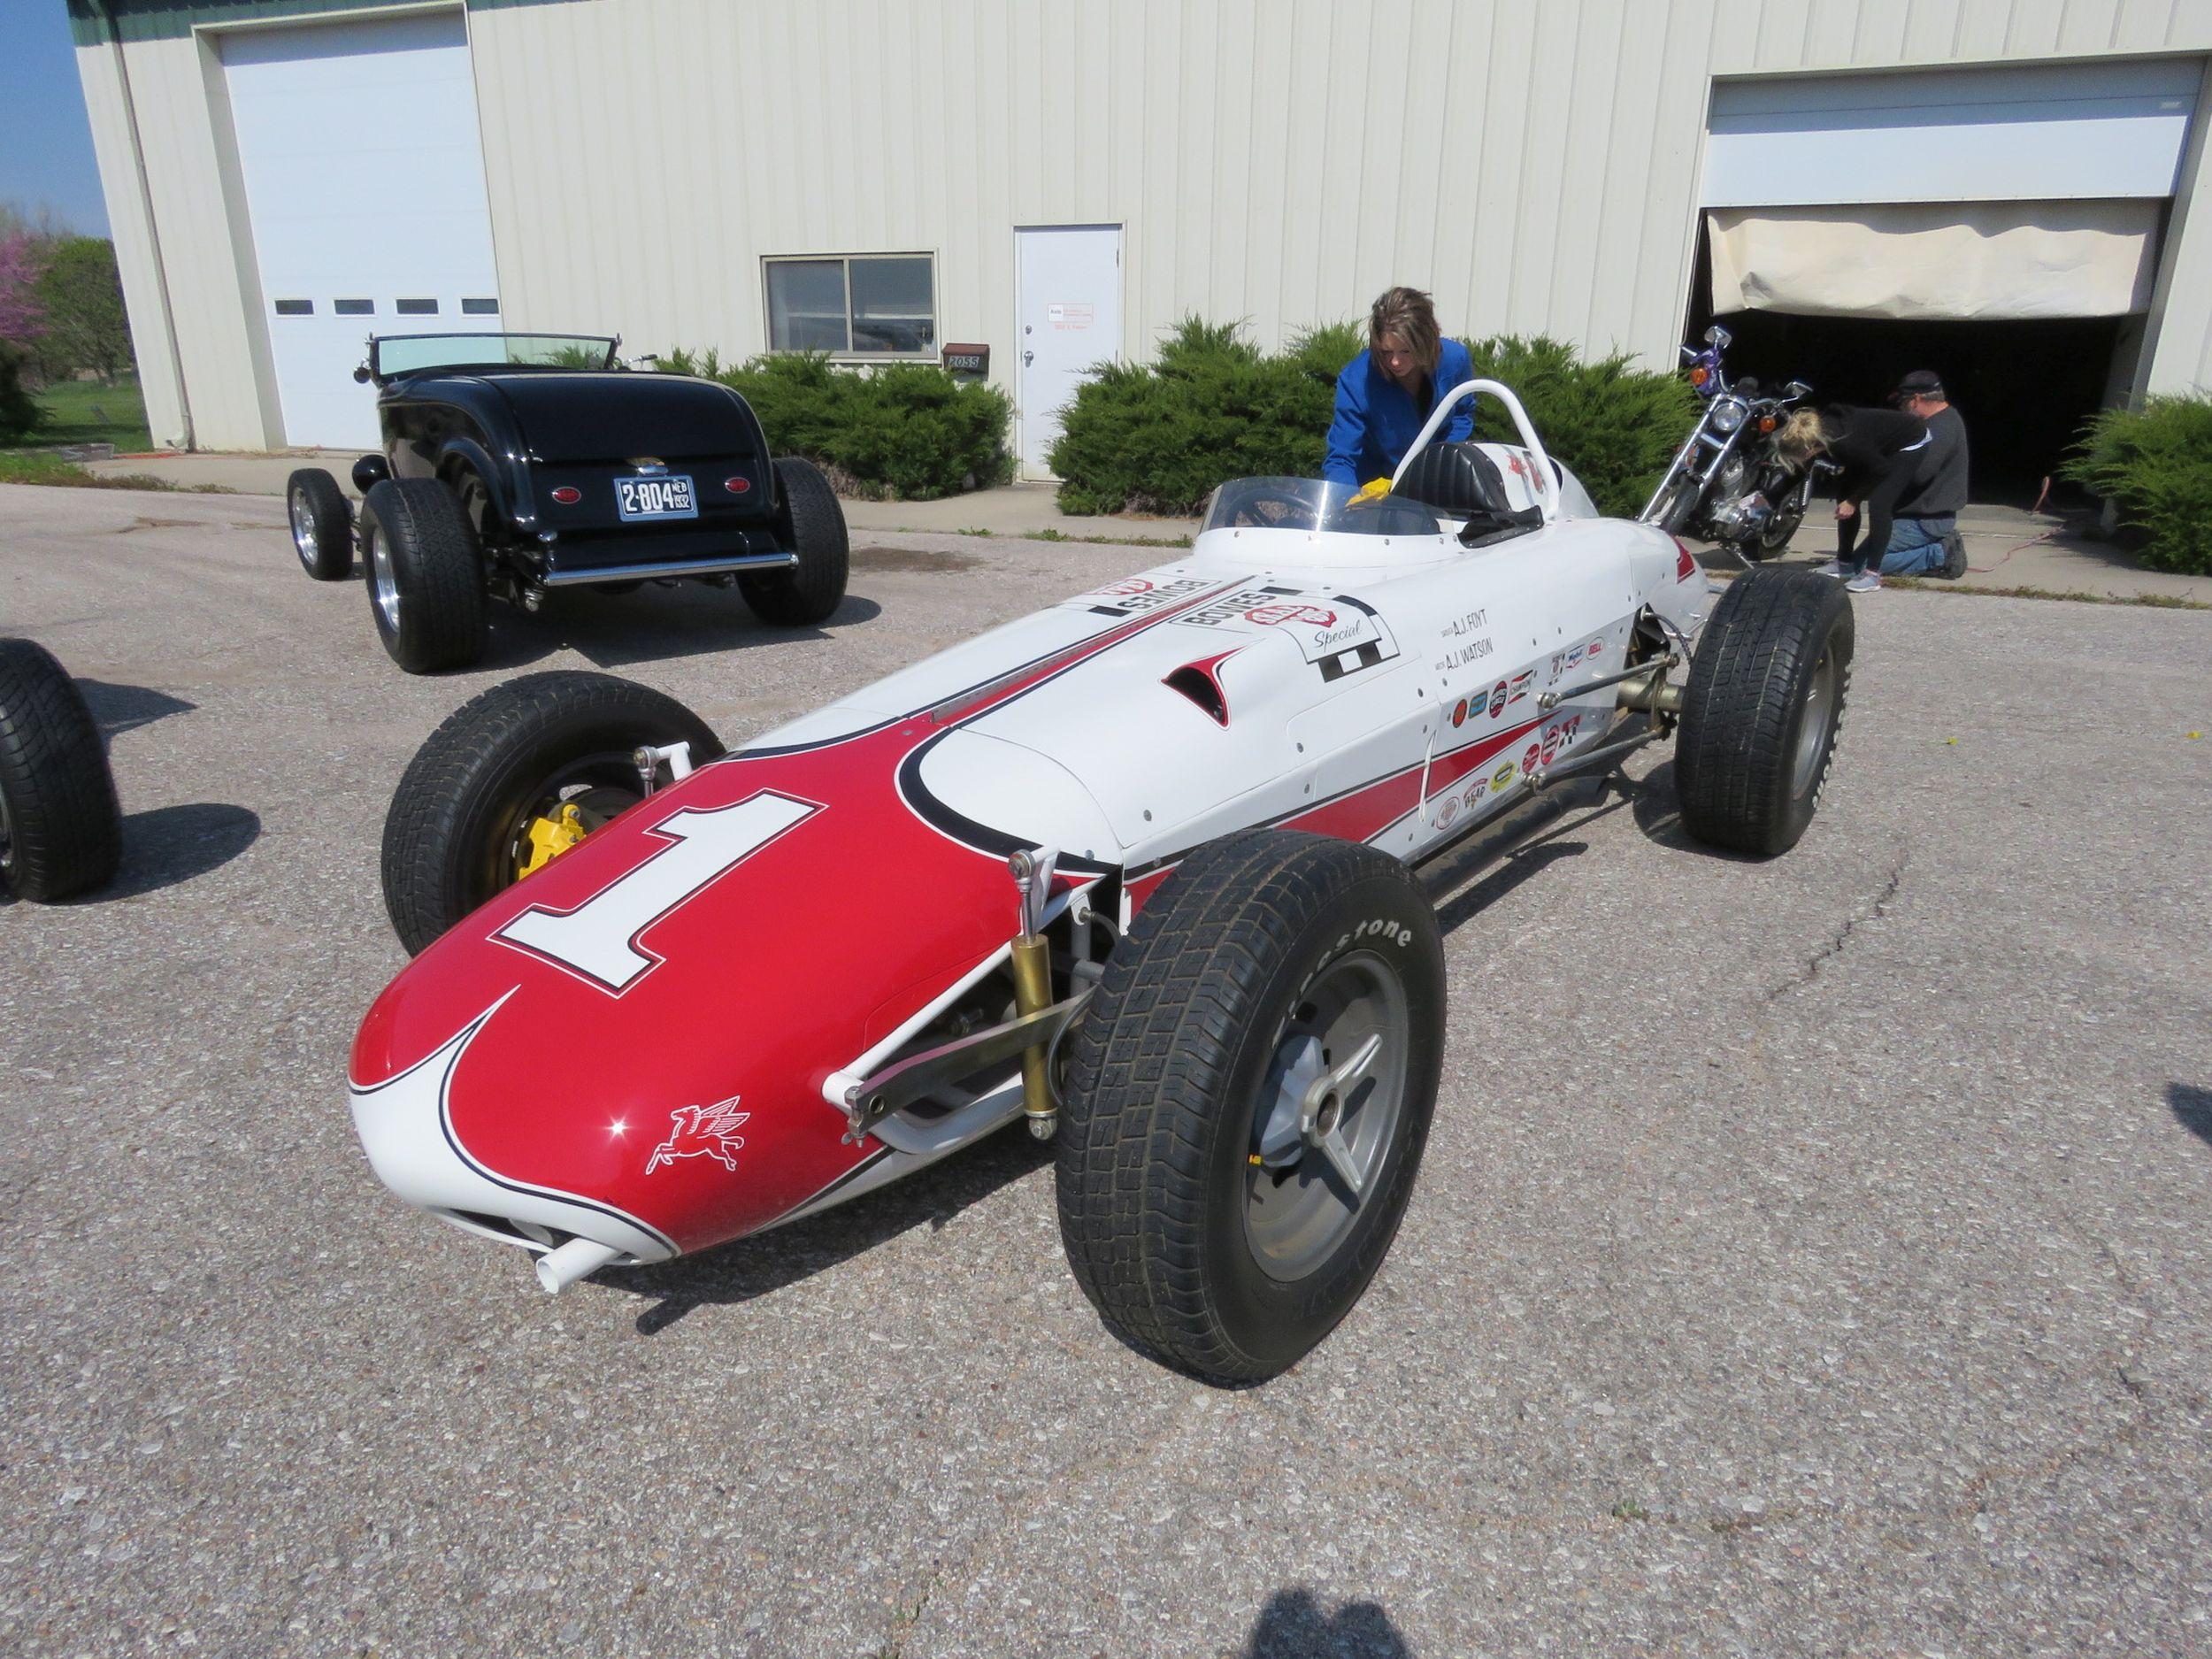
{"points": [[513, 508]]}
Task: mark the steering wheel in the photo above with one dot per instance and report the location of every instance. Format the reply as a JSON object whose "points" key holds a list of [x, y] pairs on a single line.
{"points": [[1269, 509]]}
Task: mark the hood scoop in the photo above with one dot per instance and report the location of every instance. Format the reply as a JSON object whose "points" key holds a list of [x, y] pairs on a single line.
{"points": [[1200, 682]]}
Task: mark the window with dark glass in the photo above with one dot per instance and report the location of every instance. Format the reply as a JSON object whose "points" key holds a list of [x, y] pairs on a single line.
{"points": [[295, 308], [415, 308], [353, 308], [479, 308], [869, 305]]}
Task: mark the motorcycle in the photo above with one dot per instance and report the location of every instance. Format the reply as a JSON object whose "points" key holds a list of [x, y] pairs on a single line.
{"points": [[1726, 482]]}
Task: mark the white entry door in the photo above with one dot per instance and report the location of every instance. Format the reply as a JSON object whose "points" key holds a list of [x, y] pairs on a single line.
{"points": [[1069, 300], [365, 184]]}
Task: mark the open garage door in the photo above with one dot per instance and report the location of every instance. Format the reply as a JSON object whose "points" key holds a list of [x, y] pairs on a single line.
{"points": [[364, 187], [1999, 225]]}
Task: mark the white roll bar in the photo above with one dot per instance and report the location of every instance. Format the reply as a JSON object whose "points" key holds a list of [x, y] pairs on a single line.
{"points": [[1548, 495]]}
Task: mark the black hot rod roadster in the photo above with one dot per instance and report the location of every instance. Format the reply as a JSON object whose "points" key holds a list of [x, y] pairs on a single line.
{"points": [[516, 464]]}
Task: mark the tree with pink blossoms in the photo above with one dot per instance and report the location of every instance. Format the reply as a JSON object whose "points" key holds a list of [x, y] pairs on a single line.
{"points": [[22, 263]]}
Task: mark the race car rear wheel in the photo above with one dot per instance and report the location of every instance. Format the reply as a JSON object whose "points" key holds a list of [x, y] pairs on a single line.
{"points": [[1249, 1095], [811, 524], [425, 576], [61, 832], [1762, 709], [322, 529], [512, 779]]}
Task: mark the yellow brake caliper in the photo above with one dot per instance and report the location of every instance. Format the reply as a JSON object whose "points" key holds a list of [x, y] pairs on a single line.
{"points": [[549, 838]]}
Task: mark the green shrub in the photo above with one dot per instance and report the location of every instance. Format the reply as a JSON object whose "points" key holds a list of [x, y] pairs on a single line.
{"points": [[1614, 426], [1158, 439], [2155, 464], [1213, 407], [908, 428], [18, 410]]}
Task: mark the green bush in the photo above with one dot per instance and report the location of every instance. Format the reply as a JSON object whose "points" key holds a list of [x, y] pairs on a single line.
{"points": [[2155, 464], [910, 429], [1614, 426], [1214, 407], [1158, 439], [18, 411]]}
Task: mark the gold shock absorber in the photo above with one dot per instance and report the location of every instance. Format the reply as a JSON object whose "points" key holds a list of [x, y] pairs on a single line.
{"points": [[1033, 987]]}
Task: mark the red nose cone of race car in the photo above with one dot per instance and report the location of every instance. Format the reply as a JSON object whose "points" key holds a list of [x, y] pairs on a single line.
{"points": [[631, 1045]]}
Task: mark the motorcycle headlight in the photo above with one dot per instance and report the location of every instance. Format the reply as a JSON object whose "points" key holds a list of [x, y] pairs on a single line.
{"points": [[1727, 415]]}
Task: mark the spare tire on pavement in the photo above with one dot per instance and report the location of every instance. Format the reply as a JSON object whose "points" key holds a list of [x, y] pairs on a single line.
{"points": [[61, 830]]}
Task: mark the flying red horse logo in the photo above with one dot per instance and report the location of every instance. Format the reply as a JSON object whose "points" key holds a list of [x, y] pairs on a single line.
{"points": [[701, 1131]]}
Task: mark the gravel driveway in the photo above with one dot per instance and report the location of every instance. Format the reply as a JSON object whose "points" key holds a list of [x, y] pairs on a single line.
{"points": [[1810, 1256]]}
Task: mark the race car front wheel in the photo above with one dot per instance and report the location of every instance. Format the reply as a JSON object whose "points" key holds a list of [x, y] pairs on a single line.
{"points": [[61, 832], [1762, 709], [426, 575], [811, 524], [512, 779], [322, 529], [1249, 1095]]}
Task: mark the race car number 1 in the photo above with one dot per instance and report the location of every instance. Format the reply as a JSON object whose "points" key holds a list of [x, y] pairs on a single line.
{"points": [[599, 937]]}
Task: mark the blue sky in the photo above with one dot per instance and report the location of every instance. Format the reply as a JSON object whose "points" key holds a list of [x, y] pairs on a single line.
{"points": [[45, 141]]}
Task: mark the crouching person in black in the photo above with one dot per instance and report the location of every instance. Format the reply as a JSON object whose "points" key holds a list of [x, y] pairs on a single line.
{"points": [[1879, 451]]}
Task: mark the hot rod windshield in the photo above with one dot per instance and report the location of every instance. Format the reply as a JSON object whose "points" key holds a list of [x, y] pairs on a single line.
{"points": [[1308, 504], [403, 354]]}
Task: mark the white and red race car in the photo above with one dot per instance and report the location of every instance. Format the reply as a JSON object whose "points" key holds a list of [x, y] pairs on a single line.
{"points": [[1136, 868]]}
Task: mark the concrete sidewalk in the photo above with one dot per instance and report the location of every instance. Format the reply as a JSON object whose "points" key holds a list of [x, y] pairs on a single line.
{"points": [[2006, 547]]}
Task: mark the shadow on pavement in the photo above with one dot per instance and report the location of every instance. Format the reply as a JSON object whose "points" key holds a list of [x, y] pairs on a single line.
{"points": [[173, 844], [2192, 1107], [648, 624], [118, 708], [1292, 1626], [740, 1272]]}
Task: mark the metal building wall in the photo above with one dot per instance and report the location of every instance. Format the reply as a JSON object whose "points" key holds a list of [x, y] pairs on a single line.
{"points": [[1534, 163]]}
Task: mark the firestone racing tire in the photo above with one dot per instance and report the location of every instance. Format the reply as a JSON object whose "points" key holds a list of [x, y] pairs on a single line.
{"points": [[426, 575], [810, 523], [1762, 709], [61, 830], [322, 529], [491, 791], [1249, 1095]]}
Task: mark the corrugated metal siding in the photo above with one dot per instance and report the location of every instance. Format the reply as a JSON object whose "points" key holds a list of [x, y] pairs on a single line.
{"points": [[1276, 160]]}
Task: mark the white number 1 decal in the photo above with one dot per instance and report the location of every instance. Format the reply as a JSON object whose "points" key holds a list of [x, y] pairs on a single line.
{"points": [[599, 937]]}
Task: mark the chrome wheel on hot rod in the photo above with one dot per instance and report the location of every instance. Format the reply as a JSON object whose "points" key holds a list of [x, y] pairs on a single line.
{"points": [[512, 779], [1248, 1099]]}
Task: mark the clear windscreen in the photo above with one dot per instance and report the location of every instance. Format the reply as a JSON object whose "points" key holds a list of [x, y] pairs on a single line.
{"points": [[1308, 504], [403, 354]]}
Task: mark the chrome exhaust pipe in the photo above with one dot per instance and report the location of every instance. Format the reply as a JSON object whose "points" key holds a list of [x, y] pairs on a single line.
{"points": [[559, 1269]]}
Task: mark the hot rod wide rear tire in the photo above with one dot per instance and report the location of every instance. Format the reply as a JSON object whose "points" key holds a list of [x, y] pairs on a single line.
{"points": [[458, 826], [1280, 992], [322, 529], [1762, 709], [61, 832], [811, 523], [426, 575]]}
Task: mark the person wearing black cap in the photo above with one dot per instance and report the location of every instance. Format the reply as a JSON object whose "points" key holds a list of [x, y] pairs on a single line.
{"points": [[1923, 540]]}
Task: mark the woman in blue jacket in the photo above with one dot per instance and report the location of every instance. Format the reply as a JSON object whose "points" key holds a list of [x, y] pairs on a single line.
{"points": [[1388, 392]]}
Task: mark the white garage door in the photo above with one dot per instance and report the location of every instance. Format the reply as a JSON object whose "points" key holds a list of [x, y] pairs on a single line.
{"points": [[365, 182]]}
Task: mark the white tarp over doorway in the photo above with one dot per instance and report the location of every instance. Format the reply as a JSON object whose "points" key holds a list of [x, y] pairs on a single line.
{"points": [[1961, 261]]}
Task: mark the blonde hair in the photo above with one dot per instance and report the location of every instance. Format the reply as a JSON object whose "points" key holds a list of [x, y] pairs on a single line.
{"points": [[1802, 436], [1411, 315]]}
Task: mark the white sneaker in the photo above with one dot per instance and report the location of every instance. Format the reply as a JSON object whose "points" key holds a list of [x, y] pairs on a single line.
{"points": [[1865, 582], [1834, 567]]}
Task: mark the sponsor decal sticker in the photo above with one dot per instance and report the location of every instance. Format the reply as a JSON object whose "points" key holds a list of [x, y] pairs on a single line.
{"points": [[1278, 616], [1502, 776], [1533, 758], [1459, 712], [1497, 697], [1521, 684], [701, 1131]]}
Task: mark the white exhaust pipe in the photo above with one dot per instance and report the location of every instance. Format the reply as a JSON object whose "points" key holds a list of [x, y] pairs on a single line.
{"points": [[559, 1269]]}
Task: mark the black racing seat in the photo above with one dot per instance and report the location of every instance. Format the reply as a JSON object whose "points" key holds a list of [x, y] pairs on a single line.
{"points": [[1460, 481]]}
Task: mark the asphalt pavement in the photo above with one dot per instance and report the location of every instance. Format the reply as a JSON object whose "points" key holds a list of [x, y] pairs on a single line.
{"points": [[1810, 1258]]}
